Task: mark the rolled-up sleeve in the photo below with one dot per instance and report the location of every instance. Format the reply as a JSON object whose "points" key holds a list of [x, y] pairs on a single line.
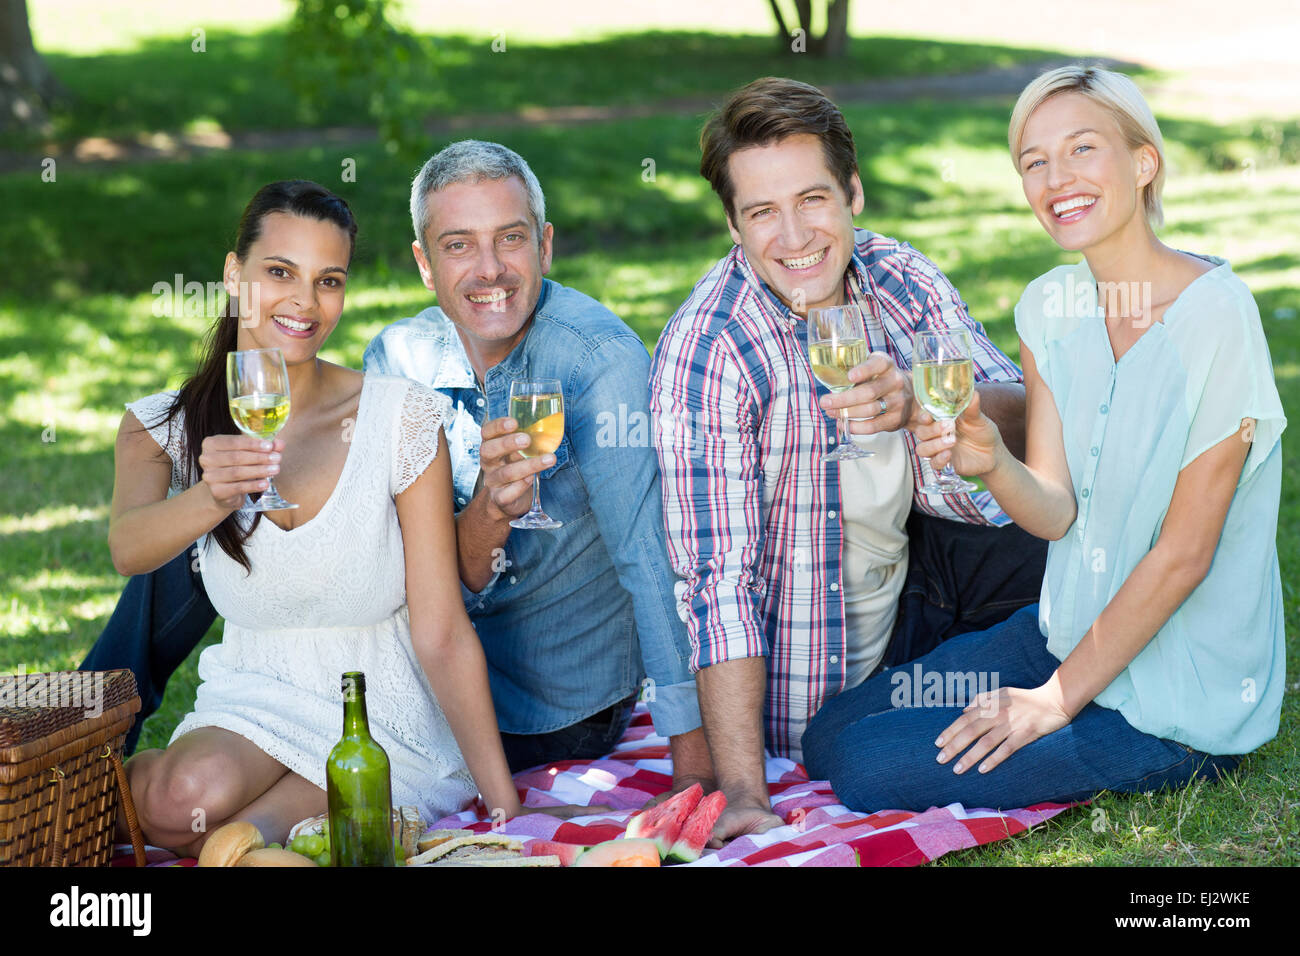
{"points": [[710, 461]]}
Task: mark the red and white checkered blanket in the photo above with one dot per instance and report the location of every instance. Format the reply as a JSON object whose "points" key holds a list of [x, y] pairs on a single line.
{"points": [[819, 830]]}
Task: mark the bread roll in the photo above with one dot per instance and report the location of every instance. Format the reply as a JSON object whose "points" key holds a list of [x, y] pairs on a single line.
{"points": [[273, 857], [227, 844]]}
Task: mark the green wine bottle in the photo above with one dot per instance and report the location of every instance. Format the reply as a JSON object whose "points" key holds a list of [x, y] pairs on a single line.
{"points": [[358, 787]]}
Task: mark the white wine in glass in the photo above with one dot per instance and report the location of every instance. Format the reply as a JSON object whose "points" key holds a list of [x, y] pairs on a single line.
{"points": [[837, 341], [538, 406], [257, 384], [943, 378]]}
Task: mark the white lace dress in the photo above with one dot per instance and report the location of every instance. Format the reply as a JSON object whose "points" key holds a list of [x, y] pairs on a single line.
{"points": [[328, 597]]}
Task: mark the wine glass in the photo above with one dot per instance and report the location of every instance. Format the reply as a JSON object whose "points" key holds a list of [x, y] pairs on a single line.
{"points": [[943, 378], [538, 406], [258, 385], [837, 341]]}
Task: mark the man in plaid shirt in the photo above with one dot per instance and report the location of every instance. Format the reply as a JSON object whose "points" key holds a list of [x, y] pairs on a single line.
{"points": [[783, 555]]}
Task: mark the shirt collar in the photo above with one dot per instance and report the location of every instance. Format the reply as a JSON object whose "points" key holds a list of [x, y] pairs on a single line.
{"points": [[454, 370], [858, 279], [767, 300], [859, 276]]}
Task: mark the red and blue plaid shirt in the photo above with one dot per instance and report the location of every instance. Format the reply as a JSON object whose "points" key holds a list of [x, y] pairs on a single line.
{"points": [[752, 511]]}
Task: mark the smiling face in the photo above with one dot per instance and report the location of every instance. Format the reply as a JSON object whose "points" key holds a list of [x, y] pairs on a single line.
{"points": [[486, 262], [1082, 180], [793, 221], [290, 285]]}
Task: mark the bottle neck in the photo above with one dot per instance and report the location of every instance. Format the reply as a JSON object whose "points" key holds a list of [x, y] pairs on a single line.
{"points": [[355, 722]]}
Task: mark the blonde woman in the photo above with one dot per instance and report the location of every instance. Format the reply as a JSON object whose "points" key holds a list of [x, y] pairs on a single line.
{"points": [[1156, 654]]}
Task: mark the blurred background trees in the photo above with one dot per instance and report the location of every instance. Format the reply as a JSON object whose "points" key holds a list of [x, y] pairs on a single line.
{"points": [[834, 40], [28, 90]]}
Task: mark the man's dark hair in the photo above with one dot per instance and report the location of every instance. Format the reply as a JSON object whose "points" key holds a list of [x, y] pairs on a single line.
{"points": [[765, 112]]}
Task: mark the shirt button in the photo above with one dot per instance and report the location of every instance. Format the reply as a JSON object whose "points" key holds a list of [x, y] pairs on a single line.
{"points": [[480, 403], [834, 586], [835, 659], [1085, 492], [512, 579], [830, 514], [460, 501], [1105, 409], [1094, 451]]}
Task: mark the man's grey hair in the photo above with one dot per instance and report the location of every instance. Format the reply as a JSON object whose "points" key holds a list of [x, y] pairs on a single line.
{"points": [[471, 161]]}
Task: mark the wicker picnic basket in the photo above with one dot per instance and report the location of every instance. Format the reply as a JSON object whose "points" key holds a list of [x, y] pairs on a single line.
{"points": [[61, 773]]}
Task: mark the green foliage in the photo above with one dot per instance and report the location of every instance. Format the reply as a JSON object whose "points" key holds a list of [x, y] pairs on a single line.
{"points": [[227, 87], [356, 52]]}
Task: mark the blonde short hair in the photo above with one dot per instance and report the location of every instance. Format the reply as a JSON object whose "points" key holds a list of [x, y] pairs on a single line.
{"points": [[1119, 96]]}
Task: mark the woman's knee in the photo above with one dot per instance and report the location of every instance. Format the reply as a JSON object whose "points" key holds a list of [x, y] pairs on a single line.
{"points": [[884, 761], [178, 792], [817, 738], [840, 711], [840, 755]]}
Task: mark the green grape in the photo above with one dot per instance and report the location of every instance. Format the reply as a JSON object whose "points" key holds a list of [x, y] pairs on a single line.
{"points": [[300, 844], [322, 859], [276, 846], [314, 845]]}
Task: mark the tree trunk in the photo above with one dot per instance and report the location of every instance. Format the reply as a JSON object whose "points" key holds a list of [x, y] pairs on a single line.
{"points": [[836, 41], [833, 42], [811, 40], [27, 87], [782, 31]]}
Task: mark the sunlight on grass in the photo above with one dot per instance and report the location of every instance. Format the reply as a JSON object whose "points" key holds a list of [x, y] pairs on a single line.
{"points": [[682, 188], [47, 519], [411, 295], [62, 580], [91, 26]]}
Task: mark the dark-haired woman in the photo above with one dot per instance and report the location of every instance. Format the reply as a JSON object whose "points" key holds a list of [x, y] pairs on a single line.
{"points": [[308, 593]]}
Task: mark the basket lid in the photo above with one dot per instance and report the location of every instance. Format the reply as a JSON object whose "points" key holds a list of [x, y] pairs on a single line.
{"points": [[33, 706]]}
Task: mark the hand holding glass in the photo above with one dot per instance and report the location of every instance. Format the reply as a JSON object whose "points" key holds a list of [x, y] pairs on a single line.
{"points": [[258, 386], [943, 379], [837, 341], [538, 406]]}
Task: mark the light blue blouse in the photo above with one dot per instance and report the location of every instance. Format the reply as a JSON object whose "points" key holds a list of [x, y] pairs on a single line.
{"points": [[1212, 678]]}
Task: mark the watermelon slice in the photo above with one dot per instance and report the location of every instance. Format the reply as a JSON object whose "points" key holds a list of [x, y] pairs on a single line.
{"points": [[698, 829], [663, 824], [567, 852], [621, 853]]}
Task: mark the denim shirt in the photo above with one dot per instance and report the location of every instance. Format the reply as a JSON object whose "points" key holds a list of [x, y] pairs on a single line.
{"points": [[572, 618]]}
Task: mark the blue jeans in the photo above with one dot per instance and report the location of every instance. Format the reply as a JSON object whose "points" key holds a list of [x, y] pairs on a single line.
{"points": [[586, 740], [961, 578], [159, 620], [875, 743], [161, 617]]}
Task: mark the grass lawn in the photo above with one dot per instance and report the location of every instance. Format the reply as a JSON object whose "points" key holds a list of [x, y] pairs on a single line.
{"points": [[78, 334]]}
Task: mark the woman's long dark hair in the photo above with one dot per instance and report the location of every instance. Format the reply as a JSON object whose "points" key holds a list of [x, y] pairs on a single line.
{"points": [[202, 399]]}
